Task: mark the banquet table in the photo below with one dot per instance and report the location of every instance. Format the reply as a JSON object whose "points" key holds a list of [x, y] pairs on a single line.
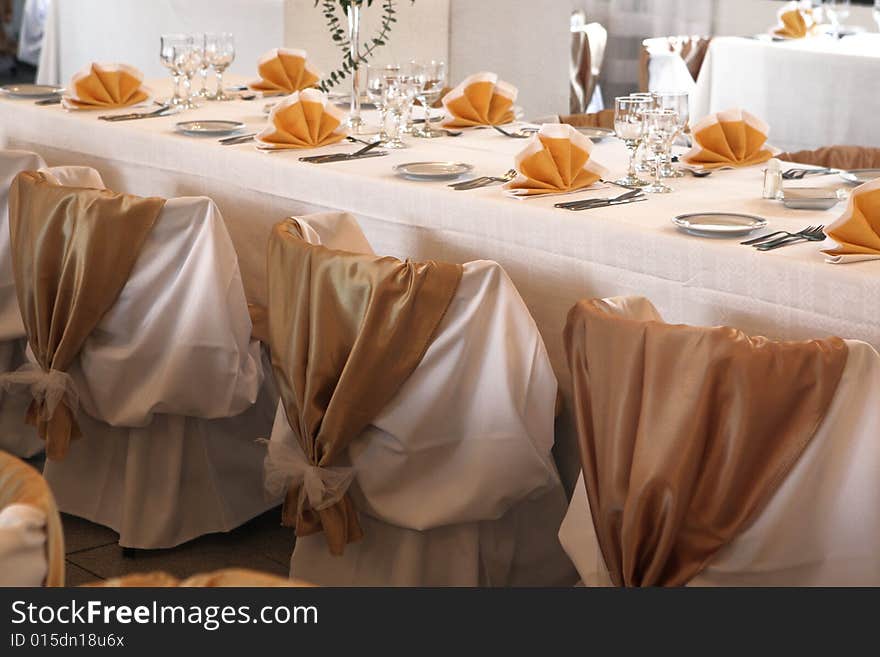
{"points": [[554, 256], [814, 92]]}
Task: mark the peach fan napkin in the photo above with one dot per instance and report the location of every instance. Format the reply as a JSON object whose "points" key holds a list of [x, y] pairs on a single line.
{"points": [[556, 160], [855, 236], [303, 120], [733, 138], [795, 21], [481, 99], [103, 86], [285, 70]]}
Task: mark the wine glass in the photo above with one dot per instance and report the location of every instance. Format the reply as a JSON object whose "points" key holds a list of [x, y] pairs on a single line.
{"points": [[837, 12], [398, 97], [220, 53], [378, 78], [661, 126], [167, 45], [430, 78], [629, 125], [198, 40], [678, 102], [187, 58], [645, 159]]}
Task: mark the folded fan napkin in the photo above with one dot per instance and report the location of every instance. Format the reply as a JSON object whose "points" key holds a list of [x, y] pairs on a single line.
{"points": [[733, 138], [855, 235], [481, 99], [103, 86], [557, 159], [795, 21], [303, 120], [285, 70]]}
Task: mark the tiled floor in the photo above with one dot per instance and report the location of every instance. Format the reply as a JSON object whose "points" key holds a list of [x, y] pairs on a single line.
{"points": [[262, 544]]}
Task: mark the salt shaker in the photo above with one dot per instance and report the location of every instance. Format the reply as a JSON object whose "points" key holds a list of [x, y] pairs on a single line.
{"points": [[773, 179]]}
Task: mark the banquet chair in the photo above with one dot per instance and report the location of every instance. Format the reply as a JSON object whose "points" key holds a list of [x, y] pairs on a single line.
{"points": [[672, 63], [31, 537], [17, 437], [227, 578], [601, 119], [712, 458], [163, 392], [588, 41], [432, 463], [837, 157]]}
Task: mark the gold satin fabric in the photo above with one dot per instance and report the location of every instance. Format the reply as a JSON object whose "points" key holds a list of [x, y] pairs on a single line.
{"points": [[346, 331], [600, 119], [227, 578], [837, 157], [21, 484], [72, 252], [686, 433]]}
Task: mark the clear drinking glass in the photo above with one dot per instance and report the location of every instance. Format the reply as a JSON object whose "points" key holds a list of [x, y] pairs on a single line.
{"points": [[399, 95], [629, 125], [378, 78], [430, 78], [220, 53], [188, 59], [168, 43], [198, 40], [678, 102], [837, 12], [661, 126], [644, 158]]}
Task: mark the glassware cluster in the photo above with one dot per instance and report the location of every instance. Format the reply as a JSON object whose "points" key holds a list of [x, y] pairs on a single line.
{"points": [[185, 55], [649, 123], [394, 88]]}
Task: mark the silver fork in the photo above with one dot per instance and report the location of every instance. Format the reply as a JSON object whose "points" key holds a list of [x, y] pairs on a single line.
{"points": [[513, 135], [817, 234], [772, 237], [799, 174], [483, 181]]}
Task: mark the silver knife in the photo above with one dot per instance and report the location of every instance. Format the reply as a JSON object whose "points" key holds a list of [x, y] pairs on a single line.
{"points": [[604, 204], [343, 157]]}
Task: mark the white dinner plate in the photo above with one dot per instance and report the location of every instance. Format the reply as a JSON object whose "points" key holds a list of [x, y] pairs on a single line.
{"points": [[860, 176], [432, 170], [31, 90], [595, 133], [209, 128], [719, 224]]}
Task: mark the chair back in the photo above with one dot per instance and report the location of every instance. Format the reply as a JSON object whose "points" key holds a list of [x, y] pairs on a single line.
{"points": [[837, 157], [588, 41], [21, 484], [690, 50]]}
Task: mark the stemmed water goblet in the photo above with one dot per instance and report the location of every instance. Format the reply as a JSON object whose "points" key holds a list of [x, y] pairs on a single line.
{"points": [[837, 12], [169, 46], [398, 98], [430, 79], [219, 53], [629, 125], [678, 102], [661, 127], [188, 59], [378, 78]]}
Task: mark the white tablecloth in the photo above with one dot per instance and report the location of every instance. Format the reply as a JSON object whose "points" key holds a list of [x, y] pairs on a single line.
{"points": [[813, 92], [554, 257]]}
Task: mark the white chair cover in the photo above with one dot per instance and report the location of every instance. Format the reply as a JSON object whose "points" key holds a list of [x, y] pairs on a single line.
{"points": [[171, 394], [16, 437], [822, 526], [22, 546], [454, 481]]}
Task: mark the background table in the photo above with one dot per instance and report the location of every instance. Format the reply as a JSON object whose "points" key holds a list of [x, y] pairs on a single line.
{"points": [[812, 92], [554, 257]]}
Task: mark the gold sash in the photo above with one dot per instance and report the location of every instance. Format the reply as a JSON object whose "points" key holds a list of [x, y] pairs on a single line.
{"points": [[686, 433], [72, 252], [346, 331], [21, 484]]}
